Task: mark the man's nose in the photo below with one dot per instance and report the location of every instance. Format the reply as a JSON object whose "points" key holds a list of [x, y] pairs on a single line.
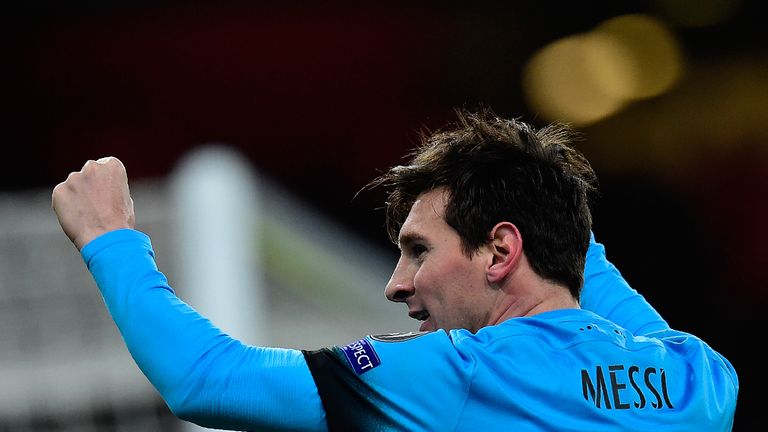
{"points": [[400, 285], [399, 292]]}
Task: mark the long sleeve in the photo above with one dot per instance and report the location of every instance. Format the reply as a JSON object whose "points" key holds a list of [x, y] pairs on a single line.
{"points": [[607, 294], [204, 375]]}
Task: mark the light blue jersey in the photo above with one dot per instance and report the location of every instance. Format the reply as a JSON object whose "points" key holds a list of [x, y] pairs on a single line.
{"points": [[613, 365], [565, 370]]}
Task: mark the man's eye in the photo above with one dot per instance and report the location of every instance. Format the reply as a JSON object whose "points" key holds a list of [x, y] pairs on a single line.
{"points": [[418, 250]]}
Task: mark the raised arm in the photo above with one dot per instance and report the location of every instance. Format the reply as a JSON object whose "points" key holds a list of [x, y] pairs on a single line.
{"points": [[608, 294], [204, 375]]}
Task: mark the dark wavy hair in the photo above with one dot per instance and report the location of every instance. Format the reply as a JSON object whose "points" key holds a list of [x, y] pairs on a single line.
{"points": [[498, 170]]}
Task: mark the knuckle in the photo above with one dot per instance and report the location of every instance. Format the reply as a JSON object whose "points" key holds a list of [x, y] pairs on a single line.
{"points": [[57, 189], [59, 192]]}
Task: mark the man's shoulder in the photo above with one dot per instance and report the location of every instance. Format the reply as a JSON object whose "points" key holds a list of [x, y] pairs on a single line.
{"points": [[398, 336], [555, 330]]}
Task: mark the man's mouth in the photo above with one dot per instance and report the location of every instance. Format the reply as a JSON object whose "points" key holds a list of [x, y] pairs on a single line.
{"points": [[421, 315]]}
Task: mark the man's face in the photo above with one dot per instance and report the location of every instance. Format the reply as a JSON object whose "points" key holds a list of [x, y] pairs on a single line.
{"points": [[440, 284]]}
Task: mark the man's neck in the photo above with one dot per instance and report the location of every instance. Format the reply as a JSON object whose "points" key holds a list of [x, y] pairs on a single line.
{"points": [[530, 295]]}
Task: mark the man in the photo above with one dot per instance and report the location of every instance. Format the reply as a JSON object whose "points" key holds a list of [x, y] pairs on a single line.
{"points": [[492, 221]]}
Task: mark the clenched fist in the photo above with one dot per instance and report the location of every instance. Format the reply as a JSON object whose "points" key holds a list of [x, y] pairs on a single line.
{"points": [[93, 201]]}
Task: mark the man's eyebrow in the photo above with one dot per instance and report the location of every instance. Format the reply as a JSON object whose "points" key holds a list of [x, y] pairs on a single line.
{"points": [[406, 239]]}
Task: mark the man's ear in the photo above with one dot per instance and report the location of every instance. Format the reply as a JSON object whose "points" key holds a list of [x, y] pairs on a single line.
{"points": [[507, 249]]}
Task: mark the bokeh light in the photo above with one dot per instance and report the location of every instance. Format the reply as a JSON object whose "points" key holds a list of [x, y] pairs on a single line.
{"points": [[586, 77], [560, 86], [634, 57]]}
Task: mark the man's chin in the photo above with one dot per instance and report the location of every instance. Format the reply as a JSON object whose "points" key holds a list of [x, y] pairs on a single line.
{"points": [[427, 326]]}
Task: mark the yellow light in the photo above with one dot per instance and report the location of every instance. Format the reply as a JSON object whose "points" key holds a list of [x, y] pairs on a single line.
{"points": [[560, 86], [634, 57], [586, 77]]}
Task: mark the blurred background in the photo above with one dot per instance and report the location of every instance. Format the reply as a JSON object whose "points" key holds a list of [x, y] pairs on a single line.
{"points": [[300, 104]]}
